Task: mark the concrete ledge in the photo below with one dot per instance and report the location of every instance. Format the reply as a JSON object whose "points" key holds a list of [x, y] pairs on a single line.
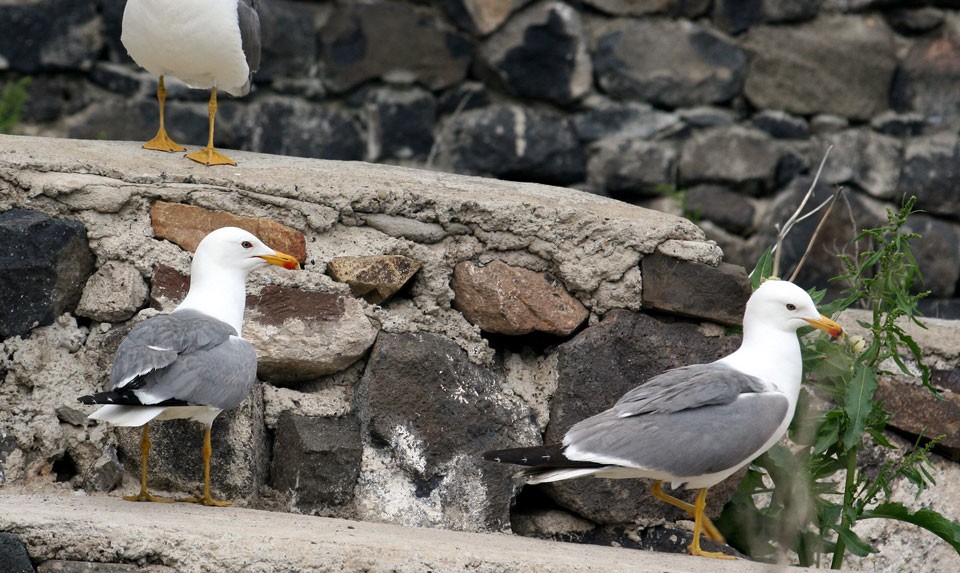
{"points": [[190, 538]]}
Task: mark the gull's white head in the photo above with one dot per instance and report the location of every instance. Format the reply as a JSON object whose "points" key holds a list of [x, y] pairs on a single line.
{"points": [[236, 249], [784, 306]]}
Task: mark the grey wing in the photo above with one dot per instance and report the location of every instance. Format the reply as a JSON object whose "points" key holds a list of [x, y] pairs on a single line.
{"points": [[685, 388], [249, 20], [159, 341], [683, 444], [220, 376]]}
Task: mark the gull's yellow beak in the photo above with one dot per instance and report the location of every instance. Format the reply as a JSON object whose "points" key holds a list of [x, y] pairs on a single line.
{"points": [[825, 324], [282, 260]]}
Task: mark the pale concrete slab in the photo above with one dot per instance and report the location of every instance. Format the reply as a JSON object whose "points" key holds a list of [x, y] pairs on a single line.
{"points": [[191, 538]]}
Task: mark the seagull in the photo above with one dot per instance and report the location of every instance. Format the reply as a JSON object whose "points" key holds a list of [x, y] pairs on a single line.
{"points": [[191, 363], [208, 44], [694, 426]]}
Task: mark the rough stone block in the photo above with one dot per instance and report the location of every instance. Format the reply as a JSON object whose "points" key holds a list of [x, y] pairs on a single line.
{"points": [[316, 462], [187, 225], [113, 294], [376, 278], [696, 290], [512, 300], [44, 263], [916, 411], [13, 555]]}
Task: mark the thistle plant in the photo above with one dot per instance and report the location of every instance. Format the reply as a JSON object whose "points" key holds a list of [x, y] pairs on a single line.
{"points": [[809, 496], [12, 100]]}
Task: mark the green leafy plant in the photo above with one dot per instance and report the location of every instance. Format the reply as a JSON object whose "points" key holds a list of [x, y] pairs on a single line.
{"points": [[808, 497], [12, 100]]}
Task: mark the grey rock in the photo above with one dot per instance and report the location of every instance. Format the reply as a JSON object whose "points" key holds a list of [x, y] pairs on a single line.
{"points": [[781, 125], [113, 294], [716, 203], [781, 11], [105, 474], [51, 97], [136, 120], [918, 412], [44, 263], [915, 21], [842, 65], [511, 142], [864, 158], [480, 17], [598, 366], [13, 555], [288, 126], [825, 123], [541, 53], [427, 413], [72, 416], [632, 169], [740, 156], [706, 116], [931, 171], [119, 79], [928, 79], [61, 34], [735, 16], [316, 463], [419, 231], [718, 294], [358, 43], [302, 335], [666, 62], [901, 125], [400, 123], [937, 252], [462, 97], [609, 119]]}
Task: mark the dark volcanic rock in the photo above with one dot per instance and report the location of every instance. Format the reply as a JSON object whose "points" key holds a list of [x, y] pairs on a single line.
{"points": [[838, 64], [400, 122], [731, 211], [541, 53], [481, 17], [697, 290], [60, 34], [597, 367], [513, 143], [288, 39], [865, 158], [614, 120], [909, 22], [668, 63], [288, 126], [44, 263], [360, 43], [917, 412], [13, 555], [429, 413], [316, 461], [931, 171], [937, 252], [928, 79]]}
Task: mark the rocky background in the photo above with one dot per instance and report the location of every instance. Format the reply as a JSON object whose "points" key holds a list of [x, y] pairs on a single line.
{"points": [[719, 110]]}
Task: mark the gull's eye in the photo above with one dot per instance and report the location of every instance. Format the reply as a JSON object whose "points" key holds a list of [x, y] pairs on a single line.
{"points": [[791, 306], [246, 245]]}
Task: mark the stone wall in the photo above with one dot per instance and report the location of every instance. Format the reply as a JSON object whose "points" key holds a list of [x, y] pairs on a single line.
{"points": [[732, 103]]}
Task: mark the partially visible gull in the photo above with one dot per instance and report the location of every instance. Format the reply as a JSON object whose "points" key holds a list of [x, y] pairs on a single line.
{"points": [[191, 363], [208, 44], [694, 426]]}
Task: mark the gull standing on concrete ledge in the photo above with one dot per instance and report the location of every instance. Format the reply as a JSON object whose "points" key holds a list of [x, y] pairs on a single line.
{"points": [[694, 426], [208, 44], [191, 363]]}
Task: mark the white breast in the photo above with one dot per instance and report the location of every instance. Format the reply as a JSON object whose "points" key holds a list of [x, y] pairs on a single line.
{"points": [[197, 41]]}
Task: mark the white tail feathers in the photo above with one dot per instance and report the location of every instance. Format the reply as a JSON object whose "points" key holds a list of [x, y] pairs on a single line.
{"points": [[127, 415]]}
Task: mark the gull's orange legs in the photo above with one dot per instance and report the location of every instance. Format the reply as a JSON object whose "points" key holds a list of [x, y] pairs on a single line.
{"points": [[694, 548], [144, 494], [161, 141], [205, 498], [208, 155], [709, 529]]}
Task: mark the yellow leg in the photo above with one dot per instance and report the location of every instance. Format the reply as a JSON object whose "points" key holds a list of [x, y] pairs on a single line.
{"points": [[162, 141], [206, 498], [694, 548], [709, 529], [208, 155], [144, 494]]}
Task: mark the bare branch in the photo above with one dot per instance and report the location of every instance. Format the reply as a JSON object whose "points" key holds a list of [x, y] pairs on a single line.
{"points": [[782, 232], [813, 238]]}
